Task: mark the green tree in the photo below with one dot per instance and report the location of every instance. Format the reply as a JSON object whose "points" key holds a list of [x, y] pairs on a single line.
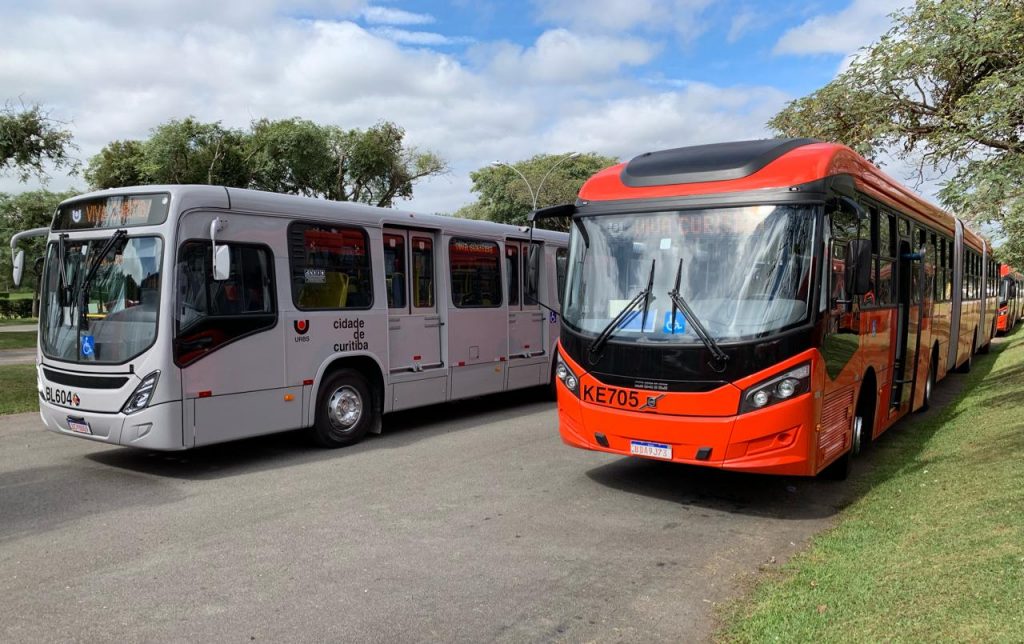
{"points": [[504, 196], [29, 138], [374, 166], [119, 163], [33, 209], [944, 89], [188, 151], [294, 156]]}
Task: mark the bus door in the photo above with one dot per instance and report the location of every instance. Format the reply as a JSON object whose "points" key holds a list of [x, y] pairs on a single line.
{"points": [[910, 274], [414, 325], [228, 340], [525, 317]]}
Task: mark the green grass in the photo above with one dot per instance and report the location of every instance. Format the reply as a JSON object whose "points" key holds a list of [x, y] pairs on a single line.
{"points": [[934, 548], [10, 321], [21, 295], [17, 340], [18, 389]]}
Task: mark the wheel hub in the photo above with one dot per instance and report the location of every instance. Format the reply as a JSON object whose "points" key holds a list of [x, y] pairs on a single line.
{"points": [[345, 407]]}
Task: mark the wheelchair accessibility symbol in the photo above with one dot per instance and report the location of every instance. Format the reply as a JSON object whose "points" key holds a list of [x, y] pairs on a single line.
{"points": [[88, 346]]}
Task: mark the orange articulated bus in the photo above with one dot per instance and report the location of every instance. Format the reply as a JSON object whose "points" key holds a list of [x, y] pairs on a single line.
{"points": [[1011, 299], [766, 306]]}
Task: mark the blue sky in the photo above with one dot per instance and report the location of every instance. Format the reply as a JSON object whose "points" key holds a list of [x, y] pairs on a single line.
{"points": [[472, 81]]}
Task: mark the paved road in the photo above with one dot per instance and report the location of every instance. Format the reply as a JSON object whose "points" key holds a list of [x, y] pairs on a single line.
{"points": [[17, 356], [466, 522], [11, 328]]}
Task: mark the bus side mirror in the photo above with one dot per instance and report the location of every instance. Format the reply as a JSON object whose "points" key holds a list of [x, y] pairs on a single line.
{"points": [[19, 267], [221, 262], [858, 266], [221, 253]]}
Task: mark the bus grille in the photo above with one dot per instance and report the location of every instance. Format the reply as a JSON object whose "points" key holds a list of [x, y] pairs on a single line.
{"points": [[835, 424]]}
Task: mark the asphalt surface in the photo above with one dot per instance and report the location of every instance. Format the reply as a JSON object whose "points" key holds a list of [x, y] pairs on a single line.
{"points": [[465, 522], [13, 328], [17, 356]]}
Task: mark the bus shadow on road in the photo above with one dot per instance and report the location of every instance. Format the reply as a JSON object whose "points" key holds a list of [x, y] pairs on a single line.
{"points": [[790, 497], [294, 448]]}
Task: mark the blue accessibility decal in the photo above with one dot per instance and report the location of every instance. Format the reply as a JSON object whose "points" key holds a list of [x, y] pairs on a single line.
{"points": [[676, 326], [88, 346]]}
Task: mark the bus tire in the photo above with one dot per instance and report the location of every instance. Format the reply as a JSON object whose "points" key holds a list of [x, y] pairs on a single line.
{"points": [[860, 430], [929, 383], [345, 409]]}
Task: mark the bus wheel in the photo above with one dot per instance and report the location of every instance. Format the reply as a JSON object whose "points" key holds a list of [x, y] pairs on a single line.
{"points": [[344, 410], [840, 469], [929, 384]]}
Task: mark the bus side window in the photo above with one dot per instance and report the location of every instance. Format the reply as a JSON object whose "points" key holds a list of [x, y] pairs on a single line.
{"points": [[886, 245], [845, 227], [512, 272], [213, 313], [394, 270], [531, 274], [330, 267], [422, 273], [933, 267], [561, 267], [475, 273]]}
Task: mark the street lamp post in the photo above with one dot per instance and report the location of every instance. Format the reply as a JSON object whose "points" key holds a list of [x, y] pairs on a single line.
{"points": [[534, 196]]}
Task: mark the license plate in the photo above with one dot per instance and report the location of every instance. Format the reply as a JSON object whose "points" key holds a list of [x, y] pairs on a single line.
{"points": [[649, 449], [79, 425]]}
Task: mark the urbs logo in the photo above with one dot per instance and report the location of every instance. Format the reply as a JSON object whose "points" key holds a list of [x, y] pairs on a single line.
{"points": [[301, 329]]}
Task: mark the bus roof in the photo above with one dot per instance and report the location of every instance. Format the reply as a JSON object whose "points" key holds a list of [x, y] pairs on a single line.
{"points": [[188, 197], [743, 166]]}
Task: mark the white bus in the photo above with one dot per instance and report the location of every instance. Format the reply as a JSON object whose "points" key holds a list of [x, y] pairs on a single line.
{"points": [[180, 316]]}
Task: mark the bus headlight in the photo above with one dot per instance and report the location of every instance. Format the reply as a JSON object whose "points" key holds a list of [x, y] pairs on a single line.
{"points": [[565, 374], [776, 389], [140, 398]]}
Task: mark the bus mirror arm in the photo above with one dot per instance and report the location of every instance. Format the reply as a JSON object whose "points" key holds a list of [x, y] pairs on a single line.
{"points": [[18, 255]]}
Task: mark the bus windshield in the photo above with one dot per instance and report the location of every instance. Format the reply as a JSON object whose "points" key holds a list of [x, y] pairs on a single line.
{"points": [[119, 318], [744, 271]]}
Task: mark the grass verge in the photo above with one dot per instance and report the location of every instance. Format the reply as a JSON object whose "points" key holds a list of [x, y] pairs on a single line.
{"points": [[13, 321], [18, 389], [933, 550], [17, 340]]}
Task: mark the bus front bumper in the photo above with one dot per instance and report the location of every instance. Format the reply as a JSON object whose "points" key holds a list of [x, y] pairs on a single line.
{"points": [[158, 427], [774, 440]]}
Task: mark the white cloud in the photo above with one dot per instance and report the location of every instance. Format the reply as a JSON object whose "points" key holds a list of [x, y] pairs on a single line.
{"points": [[560, 56], [856, 26], [741, 24], [426, 38], [684, 17], [376, 15], [112, 78]]}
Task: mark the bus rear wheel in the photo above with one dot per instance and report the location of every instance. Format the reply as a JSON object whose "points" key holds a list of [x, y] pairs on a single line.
{"points": [[929, 384], [344, 409]]}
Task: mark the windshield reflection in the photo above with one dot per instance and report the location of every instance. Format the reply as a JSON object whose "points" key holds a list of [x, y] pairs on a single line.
{"points": [[744, 271], [119, 320]]}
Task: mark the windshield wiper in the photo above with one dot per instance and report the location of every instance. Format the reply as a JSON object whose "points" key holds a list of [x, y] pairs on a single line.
{"points": [[607, 332], [678, 302], [83, 289]]}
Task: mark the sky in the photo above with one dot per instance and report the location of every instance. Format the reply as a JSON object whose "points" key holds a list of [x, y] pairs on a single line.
{"points": [[472, 80]]}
